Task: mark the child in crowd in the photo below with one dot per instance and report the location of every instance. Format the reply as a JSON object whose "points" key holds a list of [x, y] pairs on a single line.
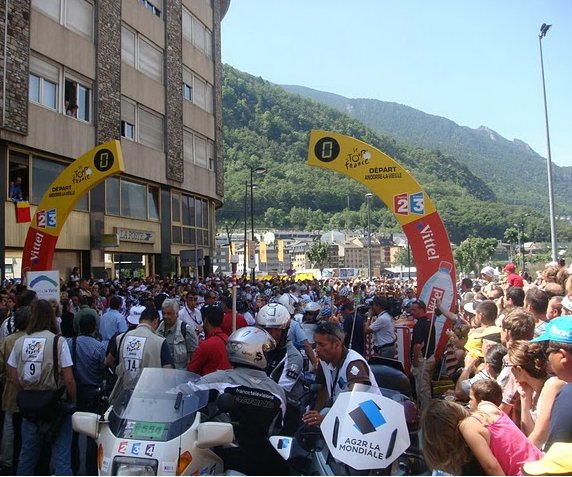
{"points": [[497, 443]]}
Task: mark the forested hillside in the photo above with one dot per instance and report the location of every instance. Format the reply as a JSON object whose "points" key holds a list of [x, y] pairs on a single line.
{"points": [[265, 126], [515, 172]]}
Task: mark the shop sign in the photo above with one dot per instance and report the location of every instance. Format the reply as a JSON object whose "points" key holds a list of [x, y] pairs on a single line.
{"points": [[132, 235]]}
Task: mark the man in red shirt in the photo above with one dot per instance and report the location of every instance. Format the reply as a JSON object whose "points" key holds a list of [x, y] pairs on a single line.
{"points": [[513, 279], [211, 354], [226, 303]]}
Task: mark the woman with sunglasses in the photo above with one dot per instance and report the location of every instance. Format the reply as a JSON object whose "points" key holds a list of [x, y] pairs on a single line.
{"points": [[537, 390]]}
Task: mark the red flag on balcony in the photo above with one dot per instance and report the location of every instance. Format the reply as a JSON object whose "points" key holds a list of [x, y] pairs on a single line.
{"points": [[23, 212]]}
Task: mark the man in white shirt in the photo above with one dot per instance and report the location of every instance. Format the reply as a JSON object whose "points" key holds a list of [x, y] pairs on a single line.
{"points": [[191, 315], [383, 328]]}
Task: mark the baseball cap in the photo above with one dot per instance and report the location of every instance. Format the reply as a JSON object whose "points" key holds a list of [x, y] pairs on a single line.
{"points": [[567, 303], [559, 329], [135, 314], [488, 271], [556, 461], [509, 267]]}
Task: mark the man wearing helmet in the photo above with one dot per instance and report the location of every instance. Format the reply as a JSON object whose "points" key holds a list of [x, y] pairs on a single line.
{"points": [[340, 369], [285, 363], [296, 333], [258, 402]]}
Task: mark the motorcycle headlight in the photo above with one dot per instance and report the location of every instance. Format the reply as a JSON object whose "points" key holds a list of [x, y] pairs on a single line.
{"points": [[134, 466]]}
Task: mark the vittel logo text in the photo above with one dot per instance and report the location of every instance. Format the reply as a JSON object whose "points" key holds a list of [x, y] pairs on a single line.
{"points": [[35, 253], [428, 241]]}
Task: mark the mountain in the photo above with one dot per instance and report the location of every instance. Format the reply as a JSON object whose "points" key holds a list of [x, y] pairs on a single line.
{"points": [[489, 156], [264, 126]]}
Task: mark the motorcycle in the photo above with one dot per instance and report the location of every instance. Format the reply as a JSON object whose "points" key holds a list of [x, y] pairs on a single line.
{"points": [[157, 427], [363, 433]]}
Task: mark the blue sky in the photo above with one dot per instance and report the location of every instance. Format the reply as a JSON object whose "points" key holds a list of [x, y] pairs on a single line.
{"points": [[476, 63]]}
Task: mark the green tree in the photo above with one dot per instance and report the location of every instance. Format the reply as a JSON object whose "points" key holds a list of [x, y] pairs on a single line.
{"points": [[403, 258], [473, 252], [318, 254]]}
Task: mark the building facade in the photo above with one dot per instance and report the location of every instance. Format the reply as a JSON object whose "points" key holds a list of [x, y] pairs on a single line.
{"points": [[78, 73]]}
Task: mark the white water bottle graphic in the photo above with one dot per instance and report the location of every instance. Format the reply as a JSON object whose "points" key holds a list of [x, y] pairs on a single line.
{"points": [[438, 286]]}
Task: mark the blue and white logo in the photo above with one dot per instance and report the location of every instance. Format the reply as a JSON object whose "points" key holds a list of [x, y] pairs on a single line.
{"points": [[367, 417]]}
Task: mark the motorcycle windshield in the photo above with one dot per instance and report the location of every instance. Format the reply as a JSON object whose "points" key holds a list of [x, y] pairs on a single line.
{"points": [[162, 404]]}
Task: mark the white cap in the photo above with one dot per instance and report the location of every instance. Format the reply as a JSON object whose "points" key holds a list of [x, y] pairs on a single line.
{"points": [[135, 314], [488, 271]]}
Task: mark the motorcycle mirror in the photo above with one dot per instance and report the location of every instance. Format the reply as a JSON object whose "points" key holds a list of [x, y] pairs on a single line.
{"points": [[214, 434], [86, 423]]}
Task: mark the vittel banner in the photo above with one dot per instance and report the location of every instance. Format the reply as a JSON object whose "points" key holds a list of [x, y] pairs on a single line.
{"points": [[410, 204], [75, 181]]}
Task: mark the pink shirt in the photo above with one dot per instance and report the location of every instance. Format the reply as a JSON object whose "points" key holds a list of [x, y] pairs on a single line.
{"points": [[510, 446]]}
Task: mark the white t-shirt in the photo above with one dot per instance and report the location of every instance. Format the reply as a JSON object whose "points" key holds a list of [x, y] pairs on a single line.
{"points": [[64, 358]]}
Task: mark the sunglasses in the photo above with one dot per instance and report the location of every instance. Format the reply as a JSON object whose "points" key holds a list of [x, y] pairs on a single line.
{"points": [[327, 328]]}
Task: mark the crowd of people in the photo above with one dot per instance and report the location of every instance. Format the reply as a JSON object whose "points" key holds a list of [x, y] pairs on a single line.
{"points": [[509, 356]]}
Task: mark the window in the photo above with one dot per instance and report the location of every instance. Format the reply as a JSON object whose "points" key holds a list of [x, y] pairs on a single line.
{"points": [[33, 173], [150, 129], [43, 83], [197, 90], [77, 100], [141, 54], [77, 15], [128, 119], [141, 125], [198, 34], [44, 172], [197, 150], [153, 6], [18, 176], [130, 199], [187, 84], [189, 216]]}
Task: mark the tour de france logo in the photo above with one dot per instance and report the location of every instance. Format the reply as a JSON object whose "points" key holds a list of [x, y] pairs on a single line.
{"points": [[103, 160], [327, 149]]}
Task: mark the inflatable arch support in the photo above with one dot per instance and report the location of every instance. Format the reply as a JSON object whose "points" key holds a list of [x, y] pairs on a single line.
{"points": [[74, 181], [411, 206]]}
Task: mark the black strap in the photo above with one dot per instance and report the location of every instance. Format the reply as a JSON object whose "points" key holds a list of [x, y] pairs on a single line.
{"points": [[119, 347], [184, 329], [9, 326], [56, 339]]}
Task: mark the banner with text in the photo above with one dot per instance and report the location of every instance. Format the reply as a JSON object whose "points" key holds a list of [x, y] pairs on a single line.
{"points": [[410, 204], [59, 200]]}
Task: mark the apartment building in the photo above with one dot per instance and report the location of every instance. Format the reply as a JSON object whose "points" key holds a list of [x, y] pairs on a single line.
{"points": [[78, 73]]}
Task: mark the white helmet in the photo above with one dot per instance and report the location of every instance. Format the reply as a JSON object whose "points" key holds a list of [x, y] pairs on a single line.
{"points": [[311, 307], [273, 315], [248, 346], [288, 301]]}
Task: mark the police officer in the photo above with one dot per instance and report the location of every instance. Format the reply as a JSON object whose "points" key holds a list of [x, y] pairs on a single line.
{"points": [[285, 362], [259, 405]]}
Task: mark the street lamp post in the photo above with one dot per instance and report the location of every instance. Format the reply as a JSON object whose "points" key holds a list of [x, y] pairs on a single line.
{"points": [[257, 170], [234, 263], [245, 267], [543, 30], [368, 198], [520, 238]]}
